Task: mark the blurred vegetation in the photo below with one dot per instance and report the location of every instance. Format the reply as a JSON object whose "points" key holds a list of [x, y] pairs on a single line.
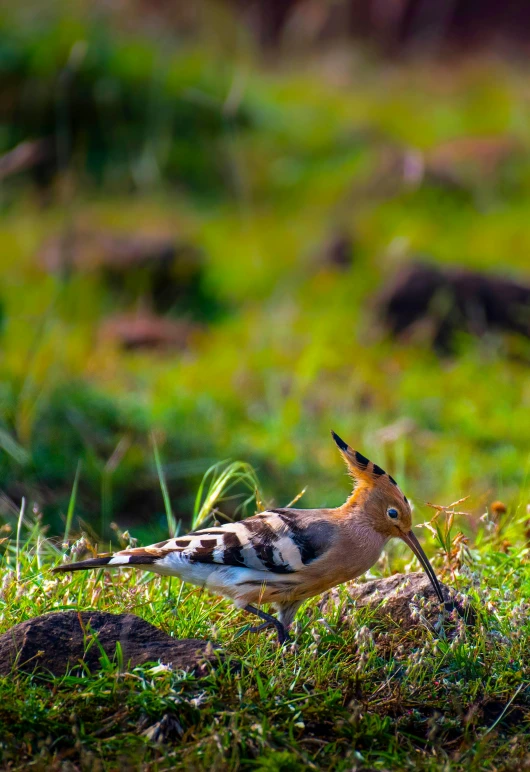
{"points": [[260, 171], [121, 110]]}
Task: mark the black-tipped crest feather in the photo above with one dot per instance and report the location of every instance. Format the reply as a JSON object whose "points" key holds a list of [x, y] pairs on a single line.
{"points": [[340, 442], [361, 468]]}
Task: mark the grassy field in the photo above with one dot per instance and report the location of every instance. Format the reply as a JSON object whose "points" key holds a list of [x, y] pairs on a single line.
{"points": [[349, 692], [258, 168]]}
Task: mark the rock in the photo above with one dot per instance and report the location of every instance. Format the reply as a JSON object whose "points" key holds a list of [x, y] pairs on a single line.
{"points": [[337, 252], [444, 302], [462, 166], [482, 156], [393, 596], [147, 331], [87, 250], [159, 271], [58, 641]]}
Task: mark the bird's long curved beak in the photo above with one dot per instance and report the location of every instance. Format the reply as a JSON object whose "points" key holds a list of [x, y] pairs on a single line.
{"points": [[410, 539]]}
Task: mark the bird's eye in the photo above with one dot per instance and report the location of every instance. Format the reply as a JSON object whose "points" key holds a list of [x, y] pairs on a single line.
{"points": [[393, 513]]}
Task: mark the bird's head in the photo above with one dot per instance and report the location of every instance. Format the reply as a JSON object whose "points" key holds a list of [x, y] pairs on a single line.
{"points": [[382, 505]]}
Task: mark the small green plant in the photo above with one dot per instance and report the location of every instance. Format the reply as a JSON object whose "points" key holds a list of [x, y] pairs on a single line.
{"points": [[226, 477], [453, 546]]}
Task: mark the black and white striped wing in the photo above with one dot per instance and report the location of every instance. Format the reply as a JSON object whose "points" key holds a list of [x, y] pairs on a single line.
{"points": [[280, 541]]}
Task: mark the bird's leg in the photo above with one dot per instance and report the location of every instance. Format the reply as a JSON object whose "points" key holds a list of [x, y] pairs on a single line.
{"points": [[287, 612], [269, 620]]}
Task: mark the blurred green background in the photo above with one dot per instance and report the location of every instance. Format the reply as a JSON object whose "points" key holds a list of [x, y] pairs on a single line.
{"points": [[195, 229]]}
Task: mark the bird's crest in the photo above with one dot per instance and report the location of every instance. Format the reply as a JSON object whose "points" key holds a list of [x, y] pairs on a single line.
{"points": [[365, 473]]}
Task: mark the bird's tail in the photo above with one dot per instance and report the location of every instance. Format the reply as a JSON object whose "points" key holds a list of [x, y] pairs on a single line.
{"points": [[109, 560], [92, 563]]}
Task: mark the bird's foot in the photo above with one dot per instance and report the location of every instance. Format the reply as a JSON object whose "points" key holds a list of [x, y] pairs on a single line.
{"points": [[270, 621], [283, 636]]}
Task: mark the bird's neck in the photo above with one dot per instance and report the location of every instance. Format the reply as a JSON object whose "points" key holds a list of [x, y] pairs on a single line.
{"points": [[356, 504], [358, 509]]}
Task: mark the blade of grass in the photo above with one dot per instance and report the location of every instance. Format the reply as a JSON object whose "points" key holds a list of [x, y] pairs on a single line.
{"points": [[19, 529], [107, 476], [218, 480], [170, 517], [71, 505]]}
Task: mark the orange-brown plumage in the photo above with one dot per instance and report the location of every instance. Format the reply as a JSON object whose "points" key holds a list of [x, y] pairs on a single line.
{"points": [[284, 556]]}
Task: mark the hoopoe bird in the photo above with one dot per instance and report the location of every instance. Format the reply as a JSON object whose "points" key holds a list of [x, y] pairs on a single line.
{"points": [[285, 556]]}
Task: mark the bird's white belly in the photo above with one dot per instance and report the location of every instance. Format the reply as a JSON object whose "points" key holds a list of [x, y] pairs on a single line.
{"points": [[242, 585]]}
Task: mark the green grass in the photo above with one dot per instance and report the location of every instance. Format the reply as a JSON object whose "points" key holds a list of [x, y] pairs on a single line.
{"points": [[350, 691]]}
